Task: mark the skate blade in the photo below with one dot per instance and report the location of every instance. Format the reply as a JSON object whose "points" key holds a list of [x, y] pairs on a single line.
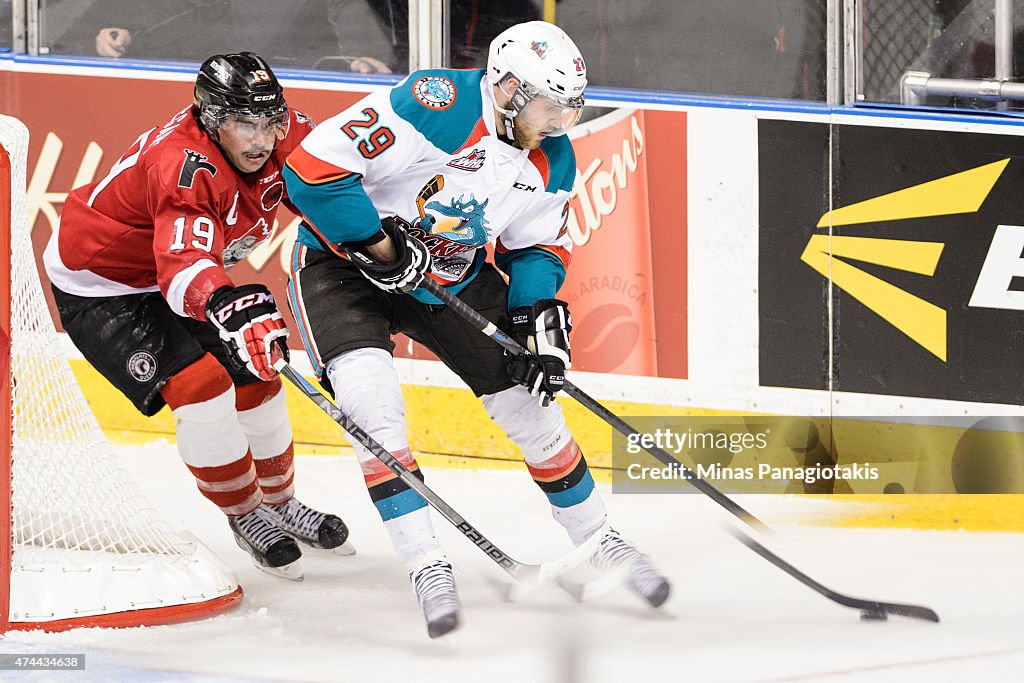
{"points": [[443, 625], [519, 592], [291, 572], [346, 549], [602, 584], [560, 567]]}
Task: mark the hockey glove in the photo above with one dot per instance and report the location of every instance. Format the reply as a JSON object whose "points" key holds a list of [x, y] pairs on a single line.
{"points": [[408, 269], [250, 326], [544, 330]]}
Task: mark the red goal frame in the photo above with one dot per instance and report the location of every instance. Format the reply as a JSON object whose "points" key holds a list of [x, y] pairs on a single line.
{"points": [[6, 532], [141, 617]]}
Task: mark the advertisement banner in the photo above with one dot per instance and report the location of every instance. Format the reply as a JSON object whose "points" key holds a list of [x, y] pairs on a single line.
{"points": [[629, 197], [624, 201], [609, 286], [922, 247]]}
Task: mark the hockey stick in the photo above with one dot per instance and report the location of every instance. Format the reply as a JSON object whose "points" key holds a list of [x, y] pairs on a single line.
{"points": [[870, 609], [520, 571]]}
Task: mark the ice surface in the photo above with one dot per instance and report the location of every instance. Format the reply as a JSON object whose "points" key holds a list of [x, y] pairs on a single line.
{"points": [[732, 617]]}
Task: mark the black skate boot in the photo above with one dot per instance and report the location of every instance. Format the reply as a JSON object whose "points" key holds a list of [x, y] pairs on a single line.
{"points": [[315, 529], [434, 584], [274, 551], [642, 578]]}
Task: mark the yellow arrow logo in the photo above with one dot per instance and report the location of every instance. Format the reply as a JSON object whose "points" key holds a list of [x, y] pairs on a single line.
{"points": [[920, 320]]}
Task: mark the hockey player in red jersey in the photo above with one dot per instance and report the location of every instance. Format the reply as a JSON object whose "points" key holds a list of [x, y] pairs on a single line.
{"points": [[139, 266], [466, 158]]}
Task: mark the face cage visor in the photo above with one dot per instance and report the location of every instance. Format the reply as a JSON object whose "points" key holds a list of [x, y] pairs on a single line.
{"points": [[549, 115], [277, 118]]}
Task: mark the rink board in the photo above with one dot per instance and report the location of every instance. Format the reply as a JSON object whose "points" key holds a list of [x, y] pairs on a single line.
{"points": [[701, 280]]}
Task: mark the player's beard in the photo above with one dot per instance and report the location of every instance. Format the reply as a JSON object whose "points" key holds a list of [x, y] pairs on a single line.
{"points": [[526, 140]]}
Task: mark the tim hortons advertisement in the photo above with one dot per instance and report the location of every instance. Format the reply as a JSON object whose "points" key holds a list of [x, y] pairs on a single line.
{"points": [[611, 286], [627, 215], [924, 249]]}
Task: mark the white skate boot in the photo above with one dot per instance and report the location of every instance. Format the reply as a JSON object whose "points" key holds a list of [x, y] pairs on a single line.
{"points": [[434, 584], [642, 578]]}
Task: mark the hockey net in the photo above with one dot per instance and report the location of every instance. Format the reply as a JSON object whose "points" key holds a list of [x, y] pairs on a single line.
{"points": [[88, 549]]}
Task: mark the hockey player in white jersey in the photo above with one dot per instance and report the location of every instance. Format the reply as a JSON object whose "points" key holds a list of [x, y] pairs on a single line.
{"points": [[414, 182]]}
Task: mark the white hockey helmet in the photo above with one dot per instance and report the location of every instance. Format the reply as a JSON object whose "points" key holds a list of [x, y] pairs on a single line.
{"points": [[548, 65]]}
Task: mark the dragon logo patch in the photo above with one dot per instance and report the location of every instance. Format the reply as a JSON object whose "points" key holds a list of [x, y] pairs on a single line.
{"points": [[436, 92], [460, 220]]}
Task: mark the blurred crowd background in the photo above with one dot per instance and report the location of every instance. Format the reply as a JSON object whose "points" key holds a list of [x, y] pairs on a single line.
{"points": [[756, 48]]}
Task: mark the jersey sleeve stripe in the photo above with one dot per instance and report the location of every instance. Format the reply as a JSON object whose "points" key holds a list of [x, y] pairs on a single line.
{"points": [[296, 300], [324, 242], [561, 163], [313, 170], [539, 159], [475, 135], [561, 253], [191, 287], [338, 212]]}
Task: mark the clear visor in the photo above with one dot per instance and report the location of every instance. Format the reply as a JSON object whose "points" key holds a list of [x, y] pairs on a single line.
{"points": [[545, 113], [551, 117], [244, 122]]}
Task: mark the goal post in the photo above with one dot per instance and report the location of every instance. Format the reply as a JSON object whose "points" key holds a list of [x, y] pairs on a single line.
{"points": [[17, 137], [80, 544]]}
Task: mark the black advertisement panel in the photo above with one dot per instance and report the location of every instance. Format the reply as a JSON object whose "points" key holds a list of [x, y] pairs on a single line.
{"points": [[924, 249]]}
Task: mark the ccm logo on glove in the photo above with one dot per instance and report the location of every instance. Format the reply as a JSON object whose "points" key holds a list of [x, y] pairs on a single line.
{"points": [[251, 327], [543, 329], [248, 301]]}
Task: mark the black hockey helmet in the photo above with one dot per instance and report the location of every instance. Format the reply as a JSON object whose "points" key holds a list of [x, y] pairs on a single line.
{"points": [[240, 83]]}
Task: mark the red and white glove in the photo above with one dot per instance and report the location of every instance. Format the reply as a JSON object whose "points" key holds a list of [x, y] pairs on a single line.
{"points": [[250, 326]]}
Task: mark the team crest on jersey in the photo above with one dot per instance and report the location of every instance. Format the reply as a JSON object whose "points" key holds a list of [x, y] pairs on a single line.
{"points": [[247, 243], [194, 162], [142, 366], [459, 221], [540, 48], [436, 92], [470, 162], [271, 196]]}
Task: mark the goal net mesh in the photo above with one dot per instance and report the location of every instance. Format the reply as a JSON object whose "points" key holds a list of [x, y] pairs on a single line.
{"points": [[73, 506]]}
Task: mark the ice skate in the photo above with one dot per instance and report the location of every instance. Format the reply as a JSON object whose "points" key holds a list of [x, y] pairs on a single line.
{"points": [[616, 553], [274, 551], [434, 584], [315, 529]]}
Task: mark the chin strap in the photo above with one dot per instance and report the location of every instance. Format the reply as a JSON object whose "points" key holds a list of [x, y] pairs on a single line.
{"points": [[510, 130], [509, 116]]}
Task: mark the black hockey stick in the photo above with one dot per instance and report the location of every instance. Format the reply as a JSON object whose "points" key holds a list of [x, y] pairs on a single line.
{"points": [[520, 571], [870, 609]]}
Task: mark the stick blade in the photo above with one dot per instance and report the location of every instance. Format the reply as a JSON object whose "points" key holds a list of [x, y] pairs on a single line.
{"points": [[911, 611], [870, 609], [560, 566]]}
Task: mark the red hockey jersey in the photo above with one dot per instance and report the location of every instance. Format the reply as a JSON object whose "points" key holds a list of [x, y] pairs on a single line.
{"points": [[171, 216]]}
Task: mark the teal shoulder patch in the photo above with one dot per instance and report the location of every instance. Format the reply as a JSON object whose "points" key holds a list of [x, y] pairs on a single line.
{"points": [[442, 104], [562, 162]]}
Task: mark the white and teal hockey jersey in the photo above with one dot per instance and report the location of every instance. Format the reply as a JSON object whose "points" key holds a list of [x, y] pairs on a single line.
{"points": [[427, 151]]}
